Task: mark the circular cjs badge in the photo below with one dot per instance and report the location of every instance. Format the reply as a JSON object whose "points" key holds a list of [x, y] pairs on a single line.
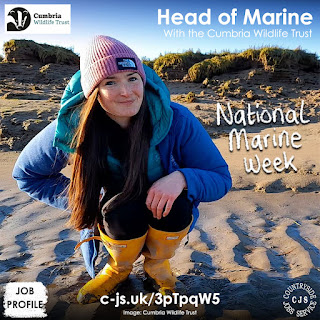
{"points": [[299, 299]]}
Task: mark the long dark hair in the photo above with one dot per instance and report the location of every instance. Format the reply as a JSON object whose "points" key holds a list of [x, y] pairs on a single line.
{"points": [[90, 169]]}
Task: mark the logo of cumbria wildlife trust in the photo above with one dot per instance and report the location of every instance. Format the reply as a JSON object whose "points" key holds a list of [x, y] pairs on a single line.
{"points": [[20, 19]]}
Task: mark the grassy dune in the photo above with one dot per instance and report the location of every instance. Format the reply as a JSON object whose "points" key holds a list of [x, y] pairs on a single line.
{"points": [[196, 67]]}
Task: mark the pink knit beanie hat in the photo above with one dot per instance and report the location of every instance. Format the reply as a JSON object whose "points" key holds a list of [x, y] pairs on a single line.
{"points": [[103, 57]]}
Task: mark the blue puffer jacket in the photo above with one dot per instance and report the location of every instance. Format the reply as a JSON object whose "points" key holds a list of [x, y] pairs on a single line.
{"points": [[178, 137]]}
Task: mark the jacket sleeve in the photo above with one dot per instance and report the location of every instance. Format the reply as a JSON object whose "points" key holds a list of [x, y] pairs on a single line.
{"points": [[206, 172], [38, 167]]}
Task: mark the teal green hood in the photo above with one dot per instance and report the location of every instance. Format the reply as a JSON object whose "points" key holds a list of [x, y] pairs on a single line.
{"points": [[158, 100]]}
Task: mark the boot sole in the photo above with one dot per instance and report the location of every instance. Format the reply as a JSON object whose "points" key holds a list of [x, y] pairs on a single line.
{"points": [[151, 285], [90, 298]]}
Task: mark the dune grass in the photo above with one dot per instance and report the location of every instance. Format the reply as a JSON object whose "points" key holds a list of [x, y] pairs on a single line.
{"points": [[42, 52], [198, 66], [270, 58], [171, 62], [217, 65]]}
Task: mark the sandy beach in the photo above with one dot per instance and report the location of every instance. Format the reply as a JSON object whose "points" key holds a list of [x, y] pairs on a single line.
{"points": [[249, 247]]}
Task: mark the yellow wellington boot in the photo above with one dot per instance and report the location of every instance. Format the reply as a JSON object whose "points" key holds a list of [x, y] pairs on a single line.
{"points": [[123, 253], [161, 246]]}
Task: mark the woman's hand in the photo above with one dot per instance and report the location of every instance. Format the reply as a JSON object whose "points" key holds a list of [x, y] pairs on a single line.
{"points": [[164, 192]]}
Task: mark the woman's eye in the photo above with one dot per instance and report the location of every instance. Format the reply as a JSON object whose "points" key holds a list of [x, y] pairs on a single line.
{"points": [[133, 78], [109, 83]]}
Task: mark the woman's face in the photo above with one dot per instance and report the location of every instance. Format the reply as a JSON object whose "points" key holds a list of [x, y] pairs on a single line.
{"points": [[121, 95]]}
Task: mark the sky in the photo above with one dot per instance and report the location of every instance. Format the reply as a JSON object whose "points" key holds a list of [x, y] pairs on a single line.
{"points": [[136, 24]]}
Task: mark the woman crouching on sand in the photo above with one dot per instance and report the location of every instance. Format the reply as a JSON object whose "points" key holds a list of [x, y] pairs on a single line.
{"points": [[141, 166]]}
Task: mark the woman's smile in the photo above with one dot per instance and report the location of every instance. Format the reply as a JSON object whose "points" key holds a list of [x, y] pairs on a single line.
{"points": [[127, 101]]}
